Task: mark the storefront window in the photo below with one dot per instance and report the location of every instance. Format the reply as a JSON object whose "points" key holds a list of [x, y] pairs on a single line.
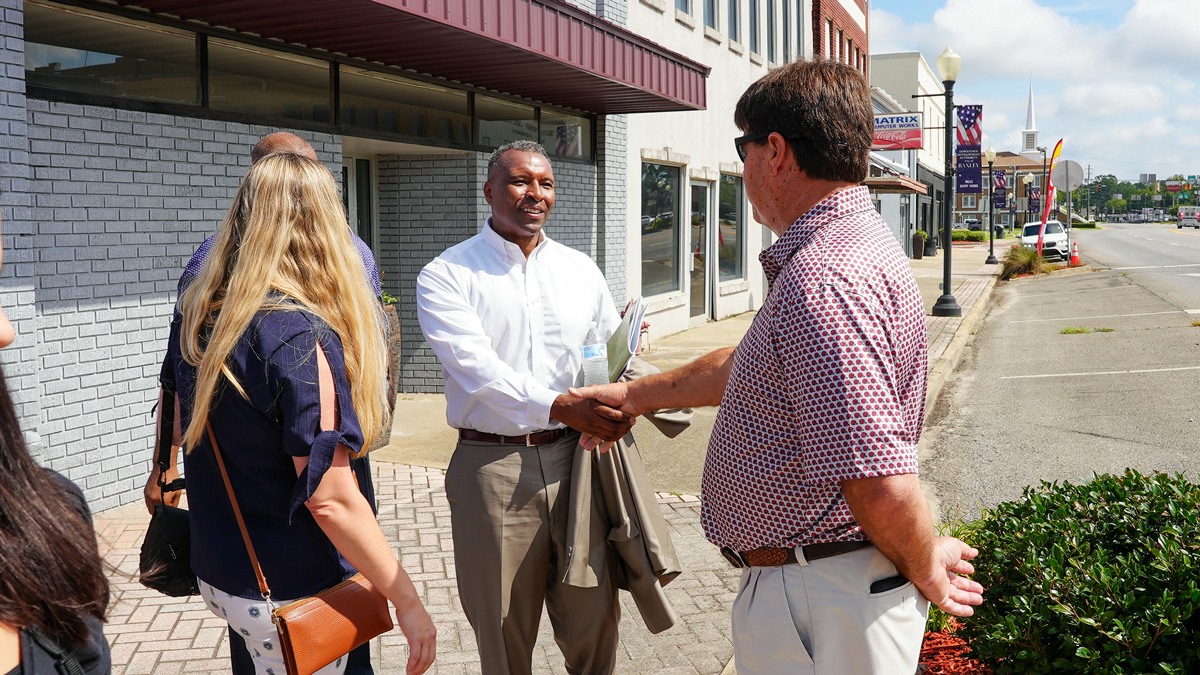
{"points": [[389, 104], [660, 231], [732, 225], [248, 80], [499, 122], [566, 135], [76, 50]]}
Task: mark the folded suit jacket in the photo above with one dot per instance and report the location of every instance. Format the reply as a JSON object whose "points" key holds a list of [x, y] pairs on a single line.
{"points": [[616, 525]]}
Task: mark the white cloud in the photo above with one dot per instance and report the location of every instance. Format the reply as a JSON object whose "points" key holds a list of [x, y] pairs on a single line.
{"points": [[1123, 95]]}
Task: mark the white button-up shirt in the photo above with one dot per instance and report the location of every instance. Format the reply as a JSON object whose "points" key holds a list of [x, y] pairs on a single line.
{"points": [[508, 329]]}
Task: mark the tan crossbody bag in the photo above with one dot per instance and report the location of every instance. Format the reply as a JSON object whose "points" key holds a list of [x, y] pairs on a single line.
{"points": [[315, 631]]}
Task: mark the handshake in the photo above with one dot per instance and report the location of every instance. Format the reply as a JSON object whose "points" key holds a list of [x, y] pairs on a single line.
{"points": [[603, 413]]}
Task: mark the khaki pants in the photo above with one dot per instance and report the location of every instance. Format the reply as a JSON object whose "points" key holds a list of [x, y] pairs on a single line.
{"points": [[819, 618], [508, 510]]}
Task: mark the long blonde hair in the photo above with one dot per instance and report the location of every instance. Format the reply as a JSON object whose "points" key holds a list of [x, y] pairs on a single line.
{"points": [[287, 232]]}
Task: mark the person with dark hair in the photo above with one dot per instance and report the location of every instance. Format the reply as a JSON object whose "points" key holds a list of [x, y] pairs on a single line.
{"points": [[810, 482], [506, 313], [53, 592]]}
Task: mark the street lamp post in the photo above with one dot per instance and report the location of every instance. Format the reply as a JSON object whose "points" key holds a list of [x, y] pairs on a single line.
{"points": [[948, 65], [991, 158], [1027, 180]]}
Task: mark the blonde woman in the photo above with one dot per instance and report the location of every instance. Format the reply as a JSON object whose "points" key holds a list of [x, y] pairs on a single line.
{"points": [[279, 346]]}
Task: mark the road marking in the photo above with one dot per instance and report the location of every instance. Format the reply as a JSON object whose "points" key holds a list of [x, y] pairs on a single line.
{"points": [[1190, 274], [1190, 234], [1155, 267], [1106, 372], [1091, 290], [1101, 316]]}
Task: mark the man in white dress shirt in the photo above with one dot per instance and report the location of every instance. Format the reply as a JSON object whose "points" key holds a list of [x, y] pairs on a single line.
{"points": [[506, 312]]}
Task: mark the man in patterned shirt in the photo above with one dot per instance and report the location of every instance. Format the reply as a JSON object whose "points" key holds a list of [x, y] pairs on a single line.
{"points": [[810, 482]]}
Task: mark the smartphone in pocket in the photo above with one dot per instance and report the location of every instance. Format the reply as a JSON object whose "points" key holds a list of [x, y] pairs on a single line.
{"points": [[888, 583]]}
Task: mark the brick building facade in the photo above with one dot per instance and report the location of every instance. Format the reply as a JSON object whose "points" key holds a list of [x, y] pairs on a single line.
{"points": [[840, 32]]}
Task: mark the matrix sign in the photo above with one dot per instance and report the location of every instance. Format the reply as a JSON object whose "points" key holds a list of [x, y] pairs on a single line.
{"points": [[898, 131]]}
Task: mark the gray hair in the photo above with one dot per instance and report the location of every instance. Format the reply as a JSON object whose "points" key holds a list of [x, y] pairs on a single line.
{"points": [[519, 146]]}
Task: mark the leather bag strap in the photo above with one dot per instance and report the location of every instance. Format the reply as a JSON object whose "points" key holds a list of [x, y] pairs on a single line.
{"points": [[237, 511]]}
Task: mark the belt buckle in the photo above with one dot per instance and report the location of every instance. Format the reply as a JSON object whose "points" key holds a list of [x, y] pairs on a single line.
{"points": [[527, 443], [734, 557]]}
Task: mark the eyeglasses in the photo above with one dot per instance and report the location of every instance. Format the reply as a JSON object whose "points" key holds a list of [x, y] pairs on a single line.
{"points": [[741, 141]]}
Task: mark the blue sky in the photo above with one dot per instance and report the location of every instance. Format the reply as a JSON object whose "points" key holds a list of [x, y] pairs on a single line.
{"points": [[1116, 79]]}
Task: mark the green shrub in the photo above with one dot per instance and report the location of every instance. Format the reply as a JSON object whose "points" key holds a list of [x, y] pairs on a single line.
{"points": [[967, 235], [1097, 578], [1074, 330], [1021, 260]]}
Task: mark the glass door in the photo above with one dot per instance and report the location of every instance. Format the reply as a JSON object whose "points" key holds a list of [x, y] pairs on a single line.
{"points": [[358, 196], [698, 246]]}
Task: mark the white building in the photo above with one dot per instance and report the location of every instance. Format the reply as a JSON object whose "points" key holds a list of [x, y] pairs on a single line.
{"points": [[892, 180], [683, 167], [903, 75]]}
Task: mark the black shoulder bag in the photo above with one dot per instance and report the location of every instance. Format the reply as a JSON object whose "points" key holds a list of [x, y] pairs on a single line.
{"points": [[165, 564]]}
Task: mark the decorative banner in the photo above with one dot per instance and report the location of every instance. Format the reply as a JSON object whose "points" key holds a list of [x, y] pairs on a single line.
{"points": [[1049, 195], [1035, 199], [969, 167], [904, 131], [999, 191]]}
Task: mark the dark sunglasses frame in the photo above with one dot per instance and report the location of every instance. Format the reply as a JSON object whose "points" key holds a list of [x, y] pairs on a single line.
{"points": [[741, 141]]}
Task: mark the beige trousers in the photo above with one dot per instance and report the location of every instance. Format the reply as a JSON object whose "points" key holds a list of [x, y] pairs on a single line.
{"points": [[819, 618], [508, 510]]}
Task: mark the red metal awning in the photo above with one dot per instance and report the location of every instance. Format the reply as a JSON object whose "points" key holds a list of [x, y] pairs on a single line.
{"points": [[545, 50], [895, 185]]}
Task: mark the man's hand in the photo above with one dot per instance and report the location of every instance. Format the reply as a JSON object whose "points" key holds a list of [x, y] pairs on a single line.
{"points": [[591, 417], [615, 395], [154, 496], [952, 593]]}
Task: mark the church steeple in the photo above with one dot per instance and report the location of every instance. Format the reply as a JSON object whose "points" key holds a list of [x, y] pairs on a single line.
{"points": [[1029, 137], [1029, 123]]}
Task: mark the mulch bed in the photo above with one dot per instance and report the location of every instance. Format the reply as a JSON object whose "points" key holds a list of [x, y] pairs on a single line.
{"points": [[942, 653]]}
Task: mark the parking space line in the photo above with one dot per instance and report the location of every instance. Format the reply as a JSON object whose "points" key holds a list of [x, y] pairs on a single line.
{"points": [[1090, 290], [1100, 316], [1156, 267], [1106, 372]]}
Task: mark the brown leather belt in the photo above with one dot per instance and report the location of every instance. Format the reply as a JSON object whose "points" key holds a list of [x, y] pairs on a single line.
{"points": [[528, 440], [773, 557]]}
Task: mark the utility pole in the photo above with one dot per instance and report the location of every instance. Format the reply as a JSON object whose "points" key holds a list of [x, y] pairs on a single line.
{"points": [[1089, 192]]}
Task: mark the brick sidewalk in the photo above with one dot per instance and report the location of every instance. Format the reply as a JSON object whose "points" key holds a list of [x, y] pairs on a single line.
{"points": [[941, 329], [153, 634]]}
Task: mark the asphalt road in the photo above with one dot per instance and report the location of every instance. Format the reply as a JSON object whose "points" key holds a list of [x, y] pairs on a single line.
{"points": [[1030, 403]]}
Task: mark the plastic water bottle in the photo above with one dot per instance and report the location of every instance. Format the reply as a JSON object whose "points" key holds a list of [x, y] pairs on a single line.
{"points": [[595, 358]]}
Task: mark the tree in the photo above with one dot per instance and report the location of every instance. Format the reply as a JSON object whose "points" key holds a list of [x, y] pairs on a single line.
{"points": [[1116, 205]]}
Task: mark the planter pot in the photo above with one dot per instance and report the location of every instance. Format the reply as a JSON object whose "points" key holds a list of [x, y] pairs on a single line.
{"points": [[931, 247], [393, 340], [918, 248]]}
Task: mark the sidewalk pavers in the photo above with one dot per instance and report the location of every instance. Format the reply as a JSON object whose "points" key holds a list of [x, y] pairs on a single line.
{"points": [[152, 634]]}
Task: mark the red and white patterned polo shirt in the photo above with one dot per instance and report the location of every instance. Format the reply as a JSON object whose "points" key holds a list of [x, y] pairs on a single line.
{"points": [[828, 384]]}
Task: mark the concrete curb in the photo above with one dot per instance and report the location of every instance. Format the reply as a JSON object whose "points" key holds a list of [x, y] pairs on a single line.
{"points": [[941, 371]]}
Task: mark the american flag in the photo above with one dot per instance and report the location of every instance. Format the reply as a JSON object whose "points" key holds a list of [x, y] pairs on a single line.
{"points": [[998, 180], [970, 119]]}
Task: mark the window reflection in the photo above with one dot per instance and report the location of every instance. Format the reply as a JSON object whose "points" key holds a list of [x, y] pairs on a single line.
{"points": [[566, 135], [256, 82], [377, 101], [499, 121], [660, 234], [85, 52], [731, 212]]}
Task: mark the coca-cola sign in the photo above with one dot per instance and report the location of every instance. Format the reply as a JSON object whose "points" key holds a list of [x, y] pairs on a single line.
{"points": [[898, 131]]}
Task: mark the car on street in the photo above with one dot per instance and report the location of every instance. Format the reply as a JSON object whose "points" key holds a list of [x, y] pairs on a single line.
{"points": [[973, 225], [1189, 216], [1056, 242]]}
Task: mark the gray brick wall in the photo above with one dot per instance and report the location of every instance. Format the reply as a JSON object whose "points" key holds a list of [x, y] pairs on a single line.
{"points": [[120, 201], [611, 220], [17, 292]]}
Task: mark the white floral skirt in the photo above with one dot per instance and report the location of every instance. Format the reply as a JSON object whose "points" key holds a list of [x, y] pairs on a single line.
{"points": [[252, 620]]}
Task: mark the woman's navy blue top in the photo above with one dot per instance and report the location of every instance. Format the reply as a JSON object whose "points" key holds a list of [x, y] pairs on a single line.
{"points": [[279, 418]]}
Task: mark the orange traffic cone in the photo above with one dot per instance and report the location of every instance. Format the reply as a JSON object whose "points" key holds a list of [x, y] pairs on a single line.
{"points": [[1074, 254]]}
